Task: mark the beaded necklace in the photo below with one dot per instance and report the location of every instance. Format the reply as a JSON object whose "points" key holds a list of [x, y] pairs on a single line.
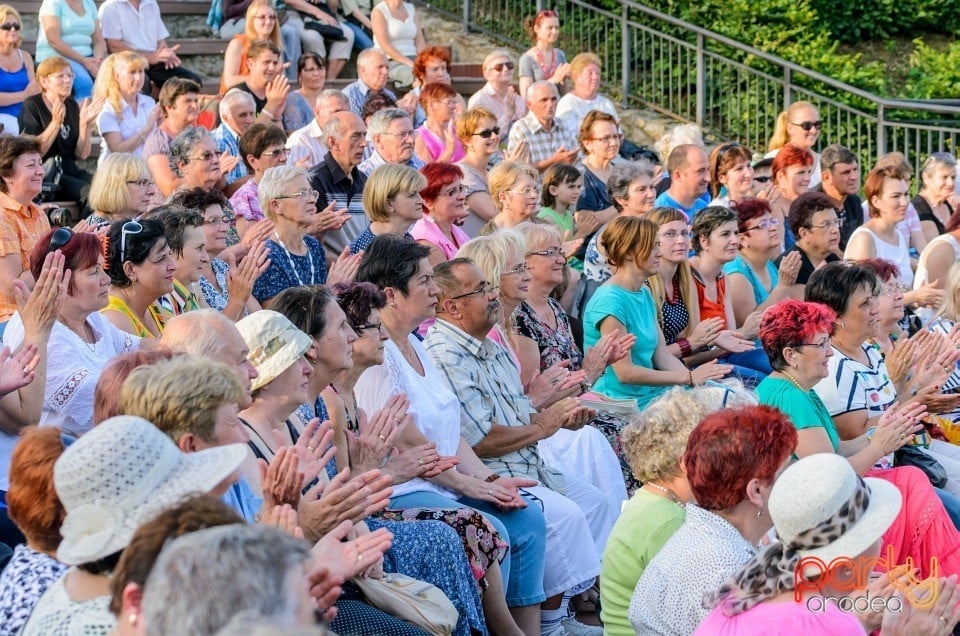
{"points": [[669, 494], [293, 267], [547, 70]]}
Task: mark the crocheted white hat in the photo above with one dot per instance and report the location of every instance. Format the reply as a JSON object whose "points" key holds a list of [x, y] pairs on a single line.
{"points": [[274, 342], [122, 473]]}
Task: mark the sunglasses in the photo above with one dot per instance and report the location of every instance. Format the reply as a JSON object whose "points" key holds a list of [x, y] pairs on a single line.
{"points": [[763, 179], [488, 133], [60, 238], [502, 65], [134, 228], [10, 26], [810, 125]]}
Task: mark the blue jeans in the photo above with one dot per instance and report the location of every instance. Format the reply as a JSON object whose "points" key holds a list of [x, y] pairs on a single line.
{"points": [[291, 50], [951, 504], [361, 41], [525, 530], [751, 366], [82, 82]]}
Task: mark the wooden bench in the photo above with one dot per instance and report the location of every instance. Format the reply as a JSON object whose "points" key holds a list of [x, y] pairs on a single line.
{"points": [[188, 46], [167, 7]]}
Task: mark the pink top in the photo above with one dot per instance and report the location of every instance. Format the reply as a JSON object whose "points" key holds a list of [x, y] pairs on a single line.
{"points": [[435, 145], [426, 229], [783, 618]]}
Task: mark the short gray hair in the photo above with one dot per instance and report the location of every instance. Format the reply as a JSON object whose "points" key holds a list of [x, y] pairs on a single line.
{"points": [[934, 162], [187, 592], [233, 97], [538, 84], [622, 175], [382, 119], [197, 332], [332, 127], [328, 94], [249, 624], [184, 144], [273, 182]]}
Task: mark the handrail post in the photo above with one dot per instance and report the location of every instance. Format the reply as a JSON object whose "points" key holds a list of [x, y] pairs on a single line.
{"points": [[701, 83], [624, 57], [882, 131], [787, 87], [539, 6], [466, 15]]}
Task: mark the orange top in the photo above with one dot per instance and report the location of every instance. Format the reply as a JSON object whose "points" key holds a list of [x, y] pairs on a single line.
{"points": [[244, 47], [21, 227], [709, 308]]}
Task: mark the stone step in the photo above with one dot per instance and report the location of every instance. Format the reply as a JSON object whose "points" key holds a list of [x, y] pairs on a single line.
{"points": [[167, 7], [188, 46]]}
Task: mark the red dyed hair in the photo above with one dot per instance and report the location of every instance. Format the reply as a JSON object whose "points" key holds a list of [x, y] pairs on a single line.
{"points": [[439, 175], [435, 92], [792, 322], [731, 447], [81, 251], [32, 500], [884, 269], [426, 56], [106, 396], [873, 184], [747, 210], [791, 155]]}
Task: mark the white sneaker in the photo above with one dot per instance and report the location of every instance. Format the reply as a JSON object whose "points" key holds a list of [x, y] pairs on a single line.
{"points": [[572, 627]]}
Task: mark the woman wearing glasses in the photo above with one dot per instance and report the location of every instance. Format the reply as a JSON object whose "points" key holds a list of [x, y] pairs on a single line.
{"points": [[515, 188], [17, 81], [544, 61], [800, 126], [814, 222], [480, 136], [122, 189], [437, 138], [444, 203], [141, 269], [391, 199], [194, 153], [937, 202], [600, 142], [129, 116], [262, 147]]}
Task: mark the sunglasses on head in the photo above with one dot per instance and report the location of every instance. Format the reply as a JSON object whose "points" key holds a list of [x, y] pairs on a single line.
{"points": [[60, 238], [488, 133], [547, 13], [134, 228], [10, 26], [810, 125]]}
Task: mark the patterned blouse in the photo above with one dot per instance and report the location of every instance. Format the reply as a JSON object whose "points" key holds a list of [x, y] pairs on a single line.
{"points": [[26, 577], [216, 298], [555, 345]]}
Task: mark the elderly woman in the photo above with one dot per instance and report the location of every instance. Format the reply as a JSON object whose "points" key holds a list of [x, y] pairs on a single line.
{"points": [[180, 104], [312, 75], [444, 204], [17, 81], [799, 125], [939, 255], [584, 97], [122, 189], [600, 142], [624, 305], [731, 174], [498, 94], [758, 596], [260, 24], [515, 188], [141, 270], [480, 136], [188, 244], [397, 32], [82, 341], [194, 153], [296, 258], [436, 138], [791, 171], [262, 147], [937, 201], [33, 505], [63, 128], [129, 116], [654, 443], [402, 270], [392, 201], [72, 30], [105, 505], [544, 61], [731, 461], [22, 221], [814, 223]]}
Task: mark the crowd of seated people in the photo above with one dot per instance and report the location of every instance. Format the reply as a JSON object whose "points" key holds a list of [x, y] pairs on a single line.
{"points": [[350, 338]]}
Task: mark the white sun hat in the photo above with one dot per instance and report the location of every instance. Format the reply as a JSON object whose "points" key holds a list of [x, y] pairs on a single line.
{"points": [[822, 493], [123, 473], [274, 342]]}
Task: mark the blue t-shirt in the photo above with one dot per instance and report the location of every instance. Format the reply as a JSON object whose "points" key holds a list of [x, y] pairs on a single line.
{"points": [[290, 270], [637, 312], [665, 200]]}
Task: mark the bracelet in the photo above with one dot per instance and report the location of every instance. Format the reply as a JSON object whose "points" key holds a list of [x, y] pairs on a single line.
{"points": [[690, 376], [685, 348], [492, 478], [266, 112]]}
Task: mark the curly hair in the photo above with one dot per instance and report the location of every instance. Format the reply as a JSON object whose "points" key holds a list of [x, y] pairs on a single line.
{"points": [[792, 322], [805, 206], [31, 498], [428, 54], [732, 447], [357, 300], [748, 210]]}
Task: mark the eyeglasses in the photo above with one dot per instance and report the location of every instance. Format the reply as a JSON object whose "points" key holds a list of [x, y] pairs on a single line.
{"points": [[673, 234], [60, 238], [302, 194], [763, 179], [826, 225], [488, 133], [516, 271], [893, 290], [275, 153], [215, 220], [368, 325], [454, 192], [551, 252], [809, 125], [502, 65], [529, 191], [140, 183], [10, 26], [134, 228], [406, 134], [485, 290], [822, 346], [607, 139], [269, 16], [766, 224], [206, 156]]}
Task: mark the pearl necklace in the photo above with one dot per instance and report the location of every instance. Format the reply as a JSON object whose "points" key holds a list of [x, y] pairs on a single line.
{"points": [[313, 271], [794, 381], [669, 494]]}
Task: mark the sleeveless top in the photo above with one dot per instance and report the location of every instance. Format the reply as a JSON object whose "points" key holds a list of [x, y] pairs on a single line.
{"points": [[921, 277], [13, 82], [436, 146], [244, 47], [402, 33], [925, 213], [709, 308], [139, 329], [898, 254], [740, 266]]}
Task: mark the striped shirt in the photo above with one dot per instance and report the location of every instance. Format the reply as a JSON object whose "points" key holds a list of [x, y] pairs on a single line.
{"points": [[228, 140], [488, 386], [852, 386]]}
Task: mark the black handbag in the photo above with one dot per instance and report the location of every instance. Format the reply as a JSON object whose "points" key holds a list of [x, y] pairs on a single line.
{"points": [[914, 456], [52, 172], [329, 32]]}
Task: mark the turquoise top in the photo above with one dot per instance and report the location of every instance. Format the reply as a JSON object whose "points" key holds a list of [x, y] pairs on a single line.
{"points": [[637, 312], [76, 31], [740, 266], [804, 408]]}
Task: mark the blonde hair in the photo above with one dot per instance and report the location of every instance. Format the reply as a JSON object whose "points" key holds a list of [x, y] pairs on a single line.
{"points": [[51, 65], [106, 84], [181, 395], [249, 32], [950, 305], [626, 235], [581, 61], [505, 175], [5, 11], [108, 190], [539, 234], [678, 136], [386, 182], [493, 252], [470, 122], [661, 216], [780, 136]]}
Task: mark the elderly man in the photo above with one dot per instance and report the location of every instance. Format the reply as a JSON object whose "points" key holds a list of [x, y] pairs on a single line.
{"points": [[237, 113], [498, 94], [547, 138], [689, 180], [339, 181], [372, 73], [840, 180], [307, 147], [500, 423], [392, 132]]}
